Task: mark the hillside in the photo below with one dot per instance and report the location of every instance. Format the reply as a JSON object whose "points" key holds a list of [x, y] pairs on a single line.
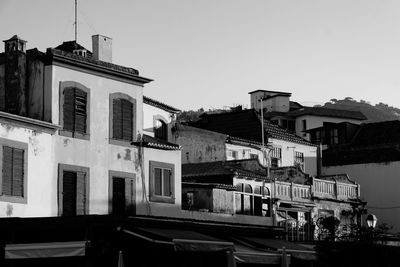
{"points": [[378, 112]]}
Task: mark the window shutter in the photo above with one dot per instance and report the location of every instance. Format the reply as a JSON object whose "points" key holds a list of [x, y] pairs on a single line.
{"points": [[158, 181], [127, 118], [69, 193], [80, 110], [167, 182], [130, 194], [7, 171], [117, 119], [18, 172], [69, 109], [81, 198]]}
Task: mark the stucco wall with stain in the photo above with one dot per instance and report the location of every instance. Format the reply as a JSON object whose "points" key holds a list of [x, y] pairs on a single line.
{"points": [[96, 153], [41, 185], [199, 145]]}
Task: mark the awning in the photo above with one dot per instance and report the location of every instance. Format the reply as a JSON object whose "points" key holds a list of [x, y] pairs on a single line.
{"points": [[45, 250], [245, 254], [182, 240], [294, 249]]}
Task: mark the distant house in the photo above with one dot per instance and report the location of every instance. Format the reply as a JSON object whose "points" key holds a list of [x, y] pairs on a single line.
{"points": [[291, 115], [370, 153]]}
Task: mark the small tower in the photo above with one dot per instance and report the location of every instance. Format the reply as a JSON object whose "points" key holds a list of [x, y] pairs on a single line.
{"points": [[15, 75]]}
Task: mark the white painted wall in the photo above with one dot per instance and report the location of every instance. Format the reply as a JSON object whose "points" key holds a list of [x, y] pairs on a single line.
{"points": [[380, 187], [288, 153], [244, 152], [144, 205], [149, 114], [41, 185]]}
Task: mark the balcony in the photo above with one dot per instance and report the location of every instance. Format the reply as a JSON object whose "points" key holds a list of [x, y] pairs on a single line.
{"points": [[332, 187]]}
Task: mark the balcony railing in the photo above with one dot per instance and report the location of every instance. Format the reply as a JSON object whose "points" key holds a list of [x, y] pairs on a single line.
{"points": [[320, 188]]}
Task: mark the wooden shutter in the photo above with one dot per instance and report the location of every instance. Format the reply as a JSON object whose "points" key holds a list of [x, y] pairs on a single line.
{"points": [[81, 198], [13, 171], [69, 193], [7, 171], [167, 182], [130, 194], [18, 172], [117, 119], [158, 181], [69, 109], [127, 118], [80, 110]]}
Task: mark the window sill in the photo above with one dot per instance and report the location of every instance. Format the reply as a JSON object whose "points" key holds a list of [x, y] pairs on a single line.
{"points": [[162, 199], [74, 135], [120, 142], [13, 199]]}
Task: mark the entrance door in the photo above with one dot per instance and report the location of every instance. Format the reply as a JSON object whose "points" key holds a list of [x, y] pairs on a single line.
{"points": [[118, 196]]}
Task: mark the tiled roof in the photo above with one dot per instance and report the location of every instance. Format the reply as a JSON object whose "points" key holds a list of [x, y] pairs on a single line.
{"points": [[268, 91], [152, 142], [249, 168], [210, 185], [245, 124], [328, 112], [159, 104]]}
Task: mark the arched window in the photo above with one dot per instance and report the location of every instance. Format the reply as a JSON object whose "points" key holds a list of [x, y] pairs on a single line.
{"points": [[161, 130], [74, 109], [122, 118]]}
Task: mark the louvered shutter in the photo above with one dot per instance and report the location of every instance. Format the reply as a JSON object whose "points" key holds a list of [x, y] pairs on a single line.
{"points": [[117, 119], [18, 172], [80, 110], [118, 197], [130, 201], [7, 171], [81, 197], [158, 181], [127, 115], [69, 109], [167, 182], [69, 193]]}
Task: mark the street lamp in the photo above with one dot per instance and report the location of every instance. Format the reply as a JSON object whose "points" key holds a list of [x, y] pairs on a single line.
{"points": [[371, 221]]}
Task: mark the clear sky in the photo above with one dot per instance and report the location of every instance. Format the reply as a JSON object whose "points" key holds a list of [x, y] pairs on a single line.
{"points": [[211, 53]]}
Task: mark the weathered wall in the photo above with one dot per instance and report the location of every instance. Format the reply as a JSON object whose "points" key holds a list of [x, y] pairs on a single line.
{"points": [[97, 154], [199, 145], [379, 184], [223, 201], [35, 88], [288, 153], [41, 182]]}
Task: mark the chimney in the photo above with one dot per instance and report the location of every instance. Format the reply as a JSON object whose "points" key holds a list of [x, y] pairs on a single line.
{"points": [[15, 76], [102, 48]]}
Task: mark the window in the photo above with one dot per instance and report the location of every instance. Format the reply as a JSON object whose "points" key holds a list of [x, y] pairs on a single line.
{"points": [[299, 159], [161, 129], [122, 193], [244, 199], [253, 156], [276, 156], [74, 110], [334, 137], [233, 154], [304, 125], [73, 190], [14, 165], [162, 182], [122, 119]]}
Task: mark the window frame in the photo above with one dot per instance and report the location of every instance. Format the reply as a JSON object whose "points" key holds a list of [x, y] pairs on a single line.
{"points": [[163, 120], [111, 138], [24, 147], [299, 159], [72, 168], [125, 176], [68, 133], [159, 198]]}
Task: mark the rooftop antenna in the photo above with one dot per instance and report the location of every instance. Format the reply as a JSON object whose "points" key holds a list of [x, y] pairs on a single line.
{"points": [[76, 21]]}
